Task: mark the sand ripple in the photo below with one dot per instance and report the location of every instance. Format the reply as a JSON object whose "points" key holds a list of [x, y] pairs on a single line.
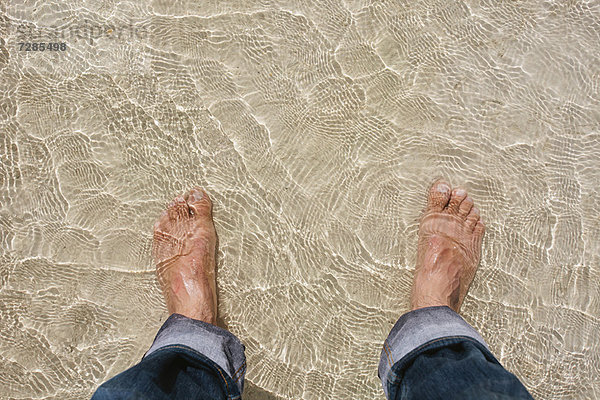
{"points": [[316, 128]]}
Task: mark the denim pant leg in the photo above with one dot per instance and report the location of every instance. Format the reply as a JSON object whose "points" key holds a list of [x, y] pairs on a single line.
{"points": [[432, 353], [189, 359]]}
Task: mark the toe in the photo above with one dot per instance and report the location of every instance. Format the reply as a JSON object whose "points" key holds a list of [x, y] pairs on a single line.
{"points": [[178, 209], [458, 195], [161, 222], [199, 202], [473, 217], [183, 211], [172, 211], [160, 227], [439, 194], [465, 207], [479, 228], [159, 241]]}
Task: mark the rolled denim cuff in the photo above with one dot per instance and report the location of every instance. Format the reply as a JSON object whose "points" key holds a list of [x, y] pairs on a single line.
{"points": [[418, 327], [215, 343]]}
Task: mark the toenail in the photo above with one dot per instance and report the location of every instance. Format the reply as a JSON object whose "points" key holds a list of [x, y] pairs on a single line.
{"points": [[443, 188], [461, 192], [197, 195]]}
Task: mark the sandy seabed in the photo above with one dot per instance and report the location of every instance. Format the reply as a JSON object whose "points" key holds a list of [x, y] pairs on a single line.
{"points": [[316, 127]]}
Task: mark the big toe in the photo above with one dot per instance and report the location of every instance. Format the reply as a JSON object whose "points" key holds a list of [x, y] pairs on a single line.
{"points": [[199, 203], [439, 195]]}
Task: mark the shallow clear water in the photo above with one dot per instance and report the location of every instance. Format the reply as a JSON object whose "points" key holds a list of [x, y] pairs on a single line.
{"points": [[316, 127]]}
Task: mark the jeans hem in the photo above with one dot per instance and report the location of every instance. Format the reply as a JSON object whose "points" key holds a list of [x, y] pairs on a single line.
{"points": [[417, 328], [217, 344]]}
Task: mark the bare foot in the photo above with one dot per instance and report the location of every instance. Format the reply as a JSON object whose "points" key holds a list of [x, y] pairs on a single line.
{"points": [[184, 249], [449, 248]]}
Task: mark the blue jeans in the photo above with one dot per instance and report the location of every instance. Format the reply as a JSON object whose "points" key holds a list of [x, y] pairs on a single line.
{"points": [[430, 353]]}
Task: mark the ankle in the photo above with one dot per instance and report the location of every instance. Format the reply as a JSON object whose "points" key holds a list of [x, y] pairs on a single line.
{"points": [[207, 316], [430, 301]]}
